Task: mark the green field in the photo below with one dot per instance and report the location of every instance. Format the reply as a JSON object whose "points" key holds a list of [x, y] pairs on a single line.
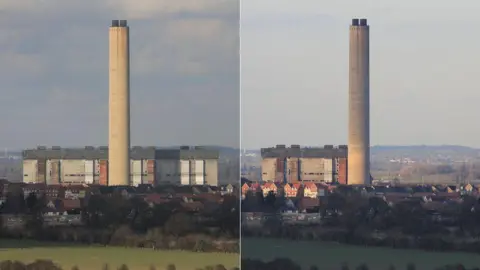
{"points": [[93, 258], [332, 255]]}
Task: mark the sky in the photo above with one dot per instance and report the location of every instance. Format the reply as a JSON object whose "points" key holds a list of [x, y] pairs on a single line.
{"points": [[186, 72], [423, 79], [54, 72]]}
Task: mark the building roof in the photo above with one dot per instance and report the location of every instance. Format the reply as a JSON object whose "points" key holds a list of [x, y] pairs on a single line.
{"points": [[136, 153], [295, 151]]}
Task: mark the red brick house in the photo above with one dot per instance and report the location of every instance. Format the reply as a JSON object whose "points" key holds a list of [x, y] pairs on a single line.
{"points": [[310, 190], [245, 189], [38, 189], [269, 187], [291, 190]]}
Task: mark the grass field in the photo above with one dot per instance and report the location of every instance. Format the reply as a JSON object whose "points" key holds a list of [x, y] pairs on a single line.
{"points": [[93, 258], [332, 255]]}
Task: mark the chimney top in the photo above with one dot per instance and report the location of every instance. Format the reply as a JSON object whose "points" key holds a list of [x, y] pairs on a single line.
{"points": [[354, 22], [119, 23], [363, 22]]}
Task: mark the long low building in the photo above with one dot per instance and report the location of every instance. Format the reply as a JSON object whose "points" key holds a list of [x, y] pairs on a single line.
{"points": [[149, 165], [295, 164]]}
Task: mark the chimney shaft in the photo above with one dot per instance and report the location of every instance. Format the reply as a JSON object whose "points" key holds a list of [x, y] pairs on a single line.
{"points": [[119, 105], [359, 105]]}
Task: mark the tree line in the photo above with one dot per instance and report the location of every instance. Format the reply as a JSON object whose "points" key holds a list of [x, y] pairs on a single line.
{"points": [[348, 217], [287, 264], [246, 264], [117, 220], [50, 265]]}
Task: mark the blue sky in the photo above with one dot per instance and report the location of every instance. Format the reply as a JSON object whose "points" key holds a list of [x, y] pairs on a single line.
{"points": [[424, 71]]}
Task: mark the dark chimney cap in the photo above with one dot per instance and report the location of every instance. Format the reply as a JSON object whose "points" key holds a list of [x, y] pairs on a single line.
{"points": [[354, 22], [123, 23], [363, 22], [115, 23]]}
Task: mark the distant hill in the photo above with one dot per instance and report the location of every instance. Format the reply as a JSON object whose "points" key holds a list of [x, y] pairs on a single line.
{"points": [[422, 148], [441, 153]]}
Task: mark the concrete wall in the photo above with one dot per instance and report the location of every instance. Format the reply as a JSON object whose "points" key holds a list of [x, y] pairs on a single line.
{"points": [[53, 171], [269, 168], [30, 171], [72, 171], [119, 106], [312, 169], [168, 171], [292, 170], [211, 172]]}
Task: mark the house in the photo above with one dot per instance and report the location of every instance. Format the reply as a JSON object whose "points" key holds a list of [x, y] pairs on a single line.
{"points": [[452, 189], [228, 189], [445, 189], [3, 193], [322, 190], [469, 188], [245, 188], [75, 192], [255, 187], [192, 206], [269, 187], [199, 189], [291, 190], [3, 189], [155, 199], [54, 191], [307, 204], [144, 188], [287, 191], [72, 205], [310, 190], [37, 189], [54, 207]]}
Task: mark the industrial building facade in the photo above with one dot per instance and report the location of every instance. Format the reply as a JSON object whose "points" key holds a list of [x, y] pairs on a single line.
{"points": [[148, 165], [294, 164]]}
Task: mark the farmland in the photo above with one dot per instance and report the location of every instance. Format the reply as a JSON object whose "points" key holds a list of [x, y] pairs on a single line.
{"points": [[333, 255], [94, 257]]}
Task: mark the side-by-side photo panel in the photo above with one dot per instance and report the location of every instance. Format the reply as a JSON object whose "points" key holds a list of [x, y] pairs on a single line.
{"points": [[350, 157], [122, 135]]}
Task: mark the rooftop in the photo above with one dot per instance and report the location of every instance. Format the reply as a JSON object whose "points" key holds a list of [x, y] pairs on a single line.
{"points": [[136, 152], [328, 151]]}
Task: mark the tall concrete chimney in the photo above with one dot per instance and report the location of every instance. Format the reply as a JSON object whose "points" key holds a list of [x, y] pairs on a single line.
{"points": [[359, 104], [119, 105]]}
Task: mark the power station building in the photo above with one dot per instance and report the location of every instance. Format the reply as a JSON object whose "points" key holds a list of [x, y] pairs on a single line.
{"points": [[294, 164], [148, 165]]}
